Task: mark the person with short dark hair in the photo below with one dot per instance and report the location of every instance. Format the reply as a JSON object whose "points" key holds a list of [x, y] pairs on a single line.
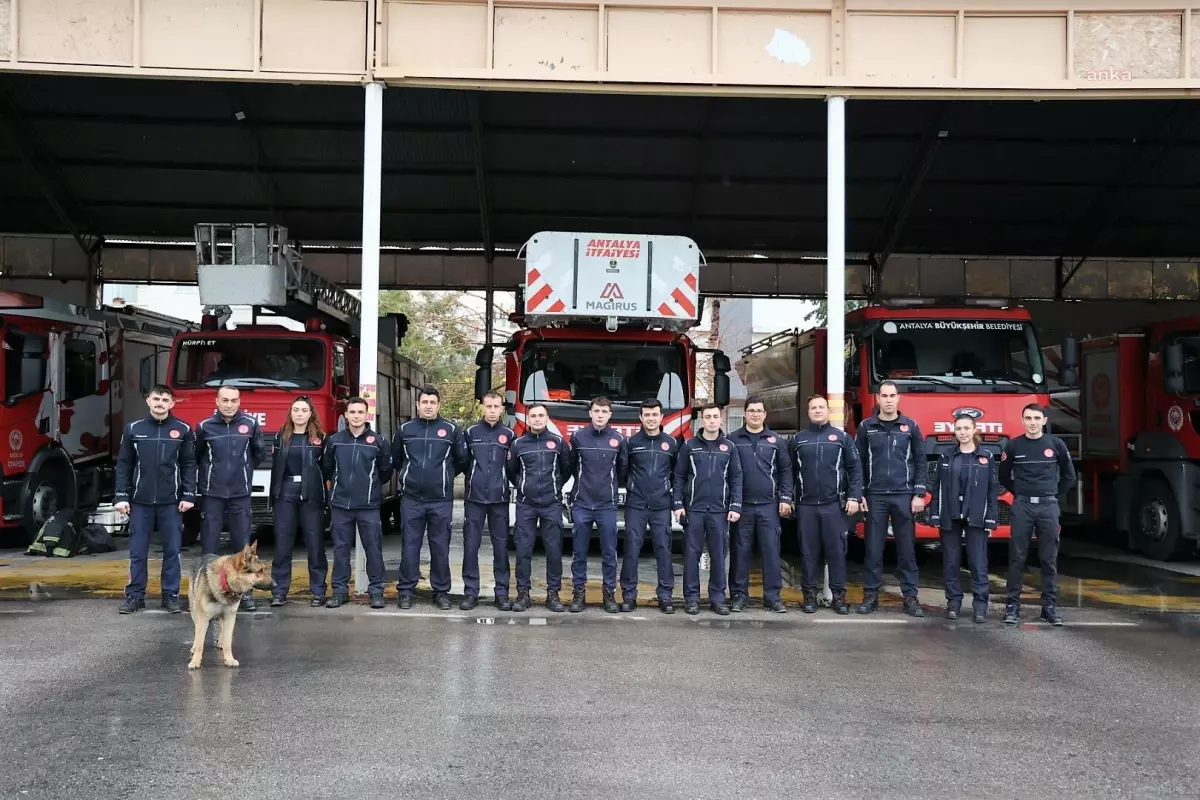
{"points": [[766, 494], [597, 455], [229, 445], [707, 488], [485, 497], [427, 452], [965, 496], [649, 464], [156, 484], [829, 487], [357, 463], [1036, 467], [538, 466], [892, 451]]}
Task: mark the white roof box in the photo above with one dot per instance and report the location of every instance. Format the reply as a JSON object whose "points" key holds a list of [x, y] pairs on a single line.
{"points": [[612, 276]]}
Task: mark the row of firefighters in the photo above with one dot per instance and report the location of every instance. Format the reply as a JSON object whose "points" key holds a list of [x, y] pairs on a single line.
{"points": [[751, 477]]}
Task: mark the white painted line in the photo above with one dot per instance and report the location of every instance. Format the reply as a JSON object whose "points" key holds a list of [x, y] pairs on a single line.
{"points": [[1101, 624], [537, 620], [852, 621], [416, 615], [16, 610]]}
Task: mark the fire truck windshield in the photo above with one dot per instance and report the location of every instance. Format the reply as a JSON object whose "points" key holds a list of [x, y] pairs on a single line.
{"points": [[953, 354], [627, 373], [249, 361]]}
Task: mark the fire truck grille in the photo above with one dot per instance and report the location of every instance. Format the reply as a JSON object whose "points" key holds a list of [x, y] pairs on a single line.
{"points": [[260, 512], [1003, 509]]}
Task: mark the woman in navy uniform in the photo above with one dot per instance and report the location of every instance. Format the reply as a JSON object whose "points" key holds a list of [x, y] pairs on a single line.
{"points": [[965, 493], [298, 497]]}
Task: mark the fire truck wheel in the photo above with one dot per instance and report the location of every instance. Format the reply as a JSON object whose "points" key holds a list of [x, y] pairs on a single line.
{"points": [[1156, 523], [47, 492], [192, 524]]}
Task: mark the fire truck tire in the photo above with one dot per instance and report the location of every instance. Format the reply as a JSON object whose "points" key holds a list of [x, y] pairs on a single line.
{"points": [[1156, 523], [50, 489], [192, 524]]}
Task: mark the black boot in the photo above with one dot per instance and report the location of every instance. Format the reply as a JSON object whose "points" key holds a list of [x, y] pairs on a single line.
{"points": [[577, 601], [131, 605], [278, 600], [691, 607], [377, 600], [522, 603], [629, 602], [441, 601], [1050, 614], [317, 601], [839, 603], [171, 604], [337, 600], [869, 604], [468, 602], [913, 608], [1012, 613], [775, 606], [980, 613], [404, 601], [739, 603], [810, 603], [951, 612], [503, 603], [553, 602], [610, 601], [248, 603], [666, 606]]}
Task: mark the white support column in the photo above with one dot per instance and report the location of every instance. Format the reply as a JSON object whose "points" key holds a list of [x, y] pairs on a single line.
{"points": [[368, 354], [835, 274]]}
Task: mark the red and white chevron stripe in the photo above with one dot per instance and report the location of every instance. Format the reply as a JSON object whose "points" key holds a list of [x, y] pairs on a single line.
{"points": [[683, 300], [539, 294]]}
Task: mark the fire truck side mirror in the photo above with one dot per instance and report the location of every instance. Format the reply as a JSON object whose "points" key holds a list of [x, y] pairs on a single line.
{"points": [[1069, 373], [1173, 367], [483, 358]]}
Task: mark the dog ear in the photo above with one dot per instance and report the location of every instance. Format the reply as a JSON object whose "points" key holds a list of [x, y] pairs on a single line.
{"points": [[252, 549]]}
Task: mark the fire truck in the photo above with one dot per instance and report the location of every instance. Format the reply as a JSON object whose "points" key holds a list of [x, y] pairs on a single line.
{"points": [[947, 358], [605, 314], [271, 363], [70, 379], [1139, 450]]}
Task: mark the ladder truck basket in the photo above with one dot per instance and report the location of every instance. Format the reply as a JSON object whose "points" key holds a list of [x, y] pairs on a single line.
{"points": [[240, 264]]}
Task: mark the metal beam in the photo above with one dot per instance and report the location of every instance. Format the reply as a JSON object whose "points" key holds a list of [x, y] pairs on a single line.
{"points": [[481, 182], [901, 205], [1105, 210], [47, 177]]}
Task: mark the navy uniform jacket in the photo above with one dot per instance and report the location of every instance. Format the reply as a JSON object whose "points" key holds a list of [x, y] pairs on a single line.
{"points": [[766, 466], [427, 454], [227, 451], [708, 476], [538, 466], [359, 466], [486, 458], [649, 466], [893, 456], [157, 462], [597, 462], [979, 501], [827, 466], [312, 481]]}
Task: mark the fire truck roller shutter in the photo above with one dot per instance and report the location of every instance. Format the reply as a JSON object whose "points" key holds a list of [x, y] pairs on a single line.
{"points": [[50, 487]]}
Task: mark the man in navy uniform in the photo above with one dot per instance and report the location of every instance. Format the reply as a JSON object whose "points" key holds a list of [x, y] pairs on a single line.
{"points": [[650, 463], [597, 461], [485, 497], [538, 466], [829, 486], [766, 494], [892, 451], [229, 445], [707, 487], [1036, 467], [156, 484], [427, 452], [357, 462]]}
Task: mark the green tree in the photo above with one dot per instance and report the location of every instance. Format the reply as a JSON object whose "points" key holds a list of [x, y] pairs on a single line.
{"points": [[444, 333], [820, 315]]}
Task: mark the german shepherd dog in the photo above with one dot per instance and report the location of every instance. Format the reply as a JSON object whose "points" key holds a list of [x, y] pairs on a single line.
{"points": [[215, 593]]}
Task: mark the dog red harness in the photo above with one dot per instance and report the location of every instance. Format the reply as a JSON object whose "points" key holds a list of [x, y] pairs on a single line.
{"points": [[225, 585]]}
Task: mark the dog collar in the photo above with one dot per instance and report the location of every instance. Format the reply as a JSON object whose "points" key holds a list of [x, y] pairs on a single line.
{"points": [[225, 585]]}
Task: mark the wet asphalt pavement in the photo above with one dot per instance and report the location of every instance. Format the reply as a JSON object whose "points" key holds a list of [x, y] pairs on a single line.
{"points": [[432, 704], [483, 704]]}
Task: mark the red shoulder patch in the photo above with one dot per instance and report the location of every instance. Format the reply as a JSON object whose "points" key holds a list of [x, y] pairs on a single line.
{"points": [[174, 434], [833, 437], [1048, 452], [442, 432], [243, 428], [771, 439], [502, 439], [983, 460], [724, 448], [550, 445], [613, 442], [666, 446], [370, 440], [904, 428]]}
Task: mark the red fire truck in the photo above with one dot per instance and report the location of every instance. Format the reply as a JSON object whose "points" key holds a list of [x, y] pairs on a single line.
{"points": [[70, 380], [1139, 403], [272, 364], [606, 314], [946, 359]]}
